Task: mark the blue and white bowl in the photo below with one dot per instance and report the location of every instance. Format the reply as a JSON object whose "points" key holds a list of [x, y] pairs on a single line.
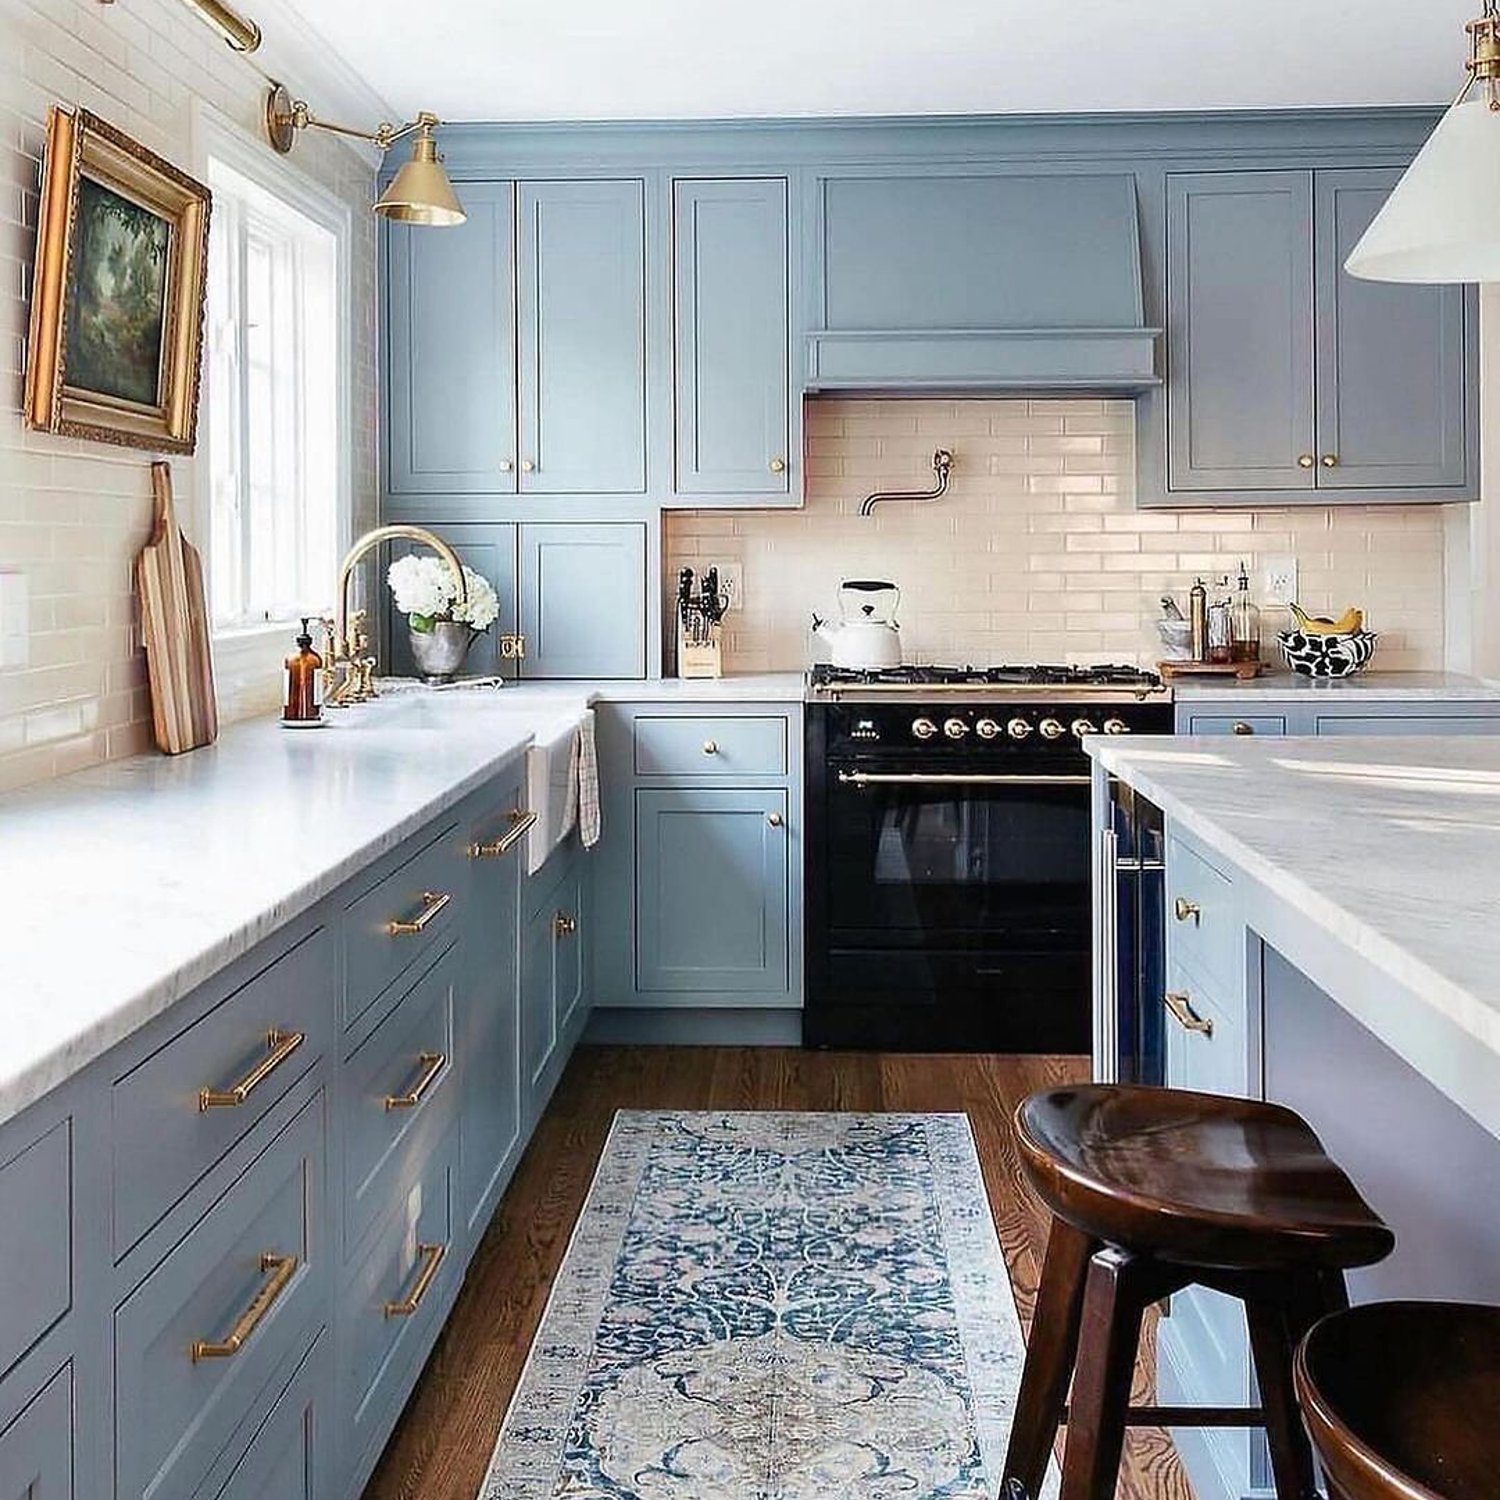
{"points": [[1328, 655]]}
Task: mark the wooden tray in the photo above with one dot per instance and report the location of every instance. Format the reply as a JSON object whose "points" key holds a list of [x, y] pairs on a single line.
{"points": [[1243, 670]]}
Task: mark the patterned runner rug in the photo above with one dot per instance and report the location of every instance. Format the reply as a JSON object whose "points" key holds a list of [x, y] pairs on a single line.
{"points": [[768, 1306]]}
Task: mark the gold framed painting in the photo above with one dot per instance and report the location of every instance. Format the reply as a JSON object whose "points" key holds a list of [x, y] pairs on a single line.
{"points": [[117, 293]]}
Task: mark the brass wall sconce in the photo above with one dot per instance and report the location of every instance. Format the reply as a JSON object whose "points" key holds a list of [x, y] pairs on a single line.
{"points": [[419, 193]]}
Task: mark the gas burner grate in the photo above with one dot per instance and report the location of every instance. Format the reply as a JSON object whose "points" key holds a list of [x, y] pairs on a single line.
{"points": [[1032, 675]]}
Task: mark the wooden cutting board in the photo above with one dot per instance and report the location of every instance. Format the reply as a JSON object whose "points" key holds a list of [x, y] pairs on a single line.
{"points": [[174, 627]]}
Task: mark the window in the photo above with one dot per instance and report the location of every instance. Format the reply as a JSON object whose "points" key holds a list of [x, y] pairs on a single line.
{"points": [[274, 434]]}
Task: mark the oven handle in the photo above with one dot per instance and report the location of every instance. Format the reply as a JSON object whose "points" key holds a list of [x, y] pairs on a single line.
{"points": [[938, 778]]}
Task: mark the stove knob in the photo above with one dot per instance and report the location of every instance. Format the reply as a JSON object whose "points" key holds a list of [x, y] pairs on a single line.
{"points": [[1082, 727], [1116, 726], [1018, 729], [988, 729], [1051, 729], [955, 729], [924, 729]]}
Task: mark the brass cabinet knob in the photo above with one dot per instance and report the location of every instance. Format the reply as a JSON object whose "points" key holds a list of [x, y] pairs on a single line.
{"points": [[1330, 460], [527, 467], [1188, 911], [710, 747], [778, 466], [506, 466], [774, 819], [1241, 727], [1306, 461], [564, 924]]}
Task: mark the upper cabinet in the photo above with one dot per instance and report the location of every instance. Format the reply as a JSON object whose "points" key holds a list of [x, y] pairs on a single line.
{"points": [[732, 419], [1289, 379], [516, 347]]}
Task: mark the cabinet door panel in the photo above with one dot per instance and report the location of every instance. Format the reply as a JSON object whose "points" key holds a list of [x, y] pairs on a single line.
{"points": [[582, 303], [452, 408], [583, 591], [730, 270], [711, 875], [1392, 361], [36, 1449], [1239, 331], [491, 551]]}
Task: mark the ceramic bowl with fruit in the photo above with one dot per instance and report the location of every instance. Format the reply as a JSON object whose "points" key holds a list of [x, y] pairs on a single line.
{"points": [[1316, 646]]}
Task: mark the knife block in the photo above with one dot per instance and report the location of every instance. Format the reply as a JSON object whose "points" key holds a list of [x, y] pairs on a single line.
{"points": [[700, 658]]}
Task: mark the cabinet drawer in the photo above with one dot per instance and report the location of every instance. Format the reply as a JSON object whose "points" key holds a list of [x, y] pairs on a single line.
{"points": [[236, 1302], [393, 1088], [36, 1241], [1204, 934], [285, 1458], [678, 745], [36, 1449], [405, 917], [1272, 724], [179, 1111], [1211, 1061], [393, 1303], [1377, 724]]}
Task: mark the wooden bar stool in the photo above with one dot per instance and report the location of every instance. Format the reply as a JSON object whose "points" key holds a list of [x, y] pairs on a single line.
{"points": [[1153, 1190], [1403, 1400]]}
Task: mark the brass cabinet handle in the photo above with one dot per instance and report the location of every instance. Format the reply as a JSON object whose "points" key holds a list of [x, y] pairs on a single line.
{"points": [[778, 466], [1306, 461], [505, 466], [1241, 727], [281, 1045], [432, 1259], [1330, 460], [775, 819], [564, 924], [1185, 1016], [527, 466], [436, 901], [710, 747], [521, 823], [1188, 911], [282, 1269], [433, 1063]]}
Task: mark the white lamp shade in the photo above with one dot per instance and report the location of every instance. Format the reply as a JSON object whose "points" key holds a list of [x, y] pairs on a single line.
{"points": [[1442, 220]]}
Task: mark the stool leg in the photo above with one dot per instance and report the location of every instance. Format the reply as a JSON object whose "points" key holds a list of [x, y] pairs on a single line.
{"points": [[1113, 1303], [1275, 1329], [1050, 1354]]}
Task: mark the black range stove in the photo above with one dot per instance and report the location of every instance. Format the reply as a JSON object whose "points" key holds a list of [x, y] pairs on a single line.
{"points": [[948, 871]]}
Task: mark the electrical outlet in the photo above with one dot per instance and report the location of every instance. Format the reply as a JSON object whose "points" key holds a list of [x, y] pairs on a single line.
{"points": [[15, 621], [1278, 580], [731, 583]]}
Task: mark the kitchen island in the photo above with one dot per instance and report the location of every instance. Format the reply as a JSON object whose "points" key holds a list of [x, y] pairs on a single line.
{"points": [[1332, 943]]}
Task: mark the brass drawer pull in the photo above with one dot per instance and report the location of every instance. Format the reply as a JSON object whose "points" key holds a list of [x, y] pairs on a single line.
{"points": [[710, 747], [433, 1063], [436, 901], [564, 924], [281, 1044], [1188, 911], [432, 1259], [1185, 1016], [283, 1268], [1241, 727], [521, 823]]}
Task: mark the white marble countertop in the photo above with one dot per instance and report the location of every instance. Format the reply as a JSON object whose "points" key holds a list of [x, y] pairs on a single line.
{"points": [[1371, 687], [1391, 846]]}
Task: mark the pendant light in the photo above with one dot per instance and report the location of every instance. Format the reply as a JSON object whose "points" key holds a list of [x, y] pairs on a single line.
{"points": [[1441, 222]]}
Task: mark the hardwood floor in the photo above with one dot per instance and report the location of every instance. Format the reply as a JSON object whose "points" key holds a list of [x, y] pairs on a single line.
{"points": [[441, 1447]]}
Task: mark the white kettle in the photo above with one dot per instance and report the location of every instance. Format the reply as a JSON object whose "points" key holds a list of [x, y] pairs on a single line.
{"points": [[867, 637]]}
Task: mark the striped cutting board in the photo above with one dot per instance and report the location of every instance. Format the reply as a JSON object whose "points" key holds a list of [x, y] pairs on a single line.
{"points": [[174, 627]]}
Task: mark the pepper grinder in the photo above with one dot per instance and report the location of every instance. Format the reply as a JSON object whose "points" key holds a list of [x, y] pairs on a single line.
{"points": [[1198, 621]]}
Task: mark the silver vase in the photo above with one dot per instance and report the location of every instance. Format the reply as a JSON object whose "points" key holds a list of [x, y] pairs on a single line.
{"points": [[440, 652]]}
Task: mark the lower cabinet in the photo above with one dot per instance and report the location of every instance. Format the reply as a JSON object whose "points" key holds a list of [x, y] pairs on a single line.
{"points": [[1337, 711], [36, 1447], [554, 972]]}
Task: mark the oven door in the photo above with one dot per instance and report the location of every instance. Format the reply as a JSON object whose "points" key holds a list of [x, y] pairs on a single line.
{"points": [[953, 859]]}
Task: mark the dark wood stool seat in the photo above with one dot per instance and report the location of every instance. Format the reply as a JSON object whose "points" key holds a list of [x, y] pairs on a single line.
{"points": [[1151, 1191], [1403, 1400], [1209, 1180]]}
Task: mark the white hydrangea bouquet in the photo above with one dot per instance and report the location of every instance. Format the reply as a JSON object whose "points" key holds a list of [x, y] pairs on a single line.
{"points": [[441, 626]]}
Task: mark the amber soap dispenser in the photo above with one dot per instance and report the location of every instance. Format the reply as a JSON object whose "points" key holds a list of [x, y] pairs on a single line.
{"points": [[303, 705]]}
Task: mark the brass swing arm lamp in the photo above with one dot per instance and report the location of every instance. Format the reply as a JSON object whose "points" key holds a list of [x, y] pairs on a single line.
{"points": [[419, 193]]}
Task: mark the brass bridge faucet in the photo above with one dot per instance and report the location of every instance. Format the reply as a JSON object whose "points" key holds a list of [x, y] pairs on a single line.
{"points": [[348, 639]]}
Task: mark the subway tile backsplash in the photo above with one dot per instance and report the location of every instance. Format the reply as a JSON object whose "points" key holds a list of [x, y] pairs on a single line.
{"points": [[1037, 551]]}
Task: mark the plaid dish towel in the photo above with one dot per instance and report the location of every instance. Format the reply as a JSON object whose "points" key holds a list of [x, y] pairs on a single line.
{"points": [[583, 783]]}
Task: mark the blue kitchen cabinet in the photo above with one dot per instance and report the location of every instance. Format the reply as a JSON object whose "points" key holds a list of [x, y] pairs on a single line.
{"points": [[1331, 710], [36, 1447], [1240, 331], [711, 891], [554, 994], [450, 387], [731, 372], [581, 338], [583, 599], [1395, 404]]}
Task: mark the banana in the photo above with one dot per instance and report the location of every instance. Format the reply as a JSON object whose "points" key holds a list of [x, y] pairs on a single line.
{"points": [[1347, 623]]}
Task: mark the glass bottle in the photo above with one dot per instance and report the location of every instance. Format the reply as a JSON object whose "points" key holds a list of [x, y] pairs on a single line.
{"points": [[1244, 623], [303, 682]]}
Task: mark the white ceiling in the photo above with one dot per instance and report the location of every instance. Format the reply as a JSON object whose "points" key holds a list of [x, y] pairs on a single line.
{"points": [[661, 59]]}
